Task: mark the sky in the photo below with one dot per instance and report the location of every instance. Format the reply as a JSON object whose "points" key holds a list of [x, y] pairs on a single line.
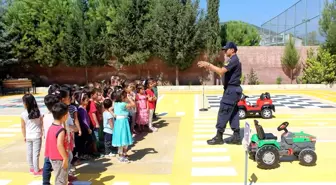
{"points": [[254, 12]]}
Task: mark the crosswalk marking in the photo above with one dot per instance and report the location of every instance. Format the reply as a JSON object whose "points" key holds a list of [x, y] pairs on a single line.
{"points": [[213, 171], [10, 130], [5, 182], [208, 150], [6, 135], [268, 183], [15, 125], [204, 126], [199, 143], [36, 182], [211, 159], [202, 136]]}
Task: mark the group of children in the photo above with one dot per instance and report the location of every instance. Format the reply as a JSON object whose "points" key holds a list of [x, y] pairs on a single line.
{"points": [[78, 118]]}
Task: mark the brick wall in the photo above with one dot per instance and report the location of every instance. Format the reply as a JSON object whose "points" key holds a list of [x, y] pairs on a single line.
{"points": [[265, 61]]}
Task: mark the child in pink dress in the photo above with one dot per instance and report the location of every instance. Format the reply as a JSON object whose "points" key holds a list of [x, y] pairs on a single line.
{"points": [[142, 107]]}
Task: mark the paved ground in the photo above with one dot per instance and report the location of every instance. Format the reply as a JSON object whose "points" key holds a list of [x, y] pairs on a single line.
{"points": [[178, 154]]}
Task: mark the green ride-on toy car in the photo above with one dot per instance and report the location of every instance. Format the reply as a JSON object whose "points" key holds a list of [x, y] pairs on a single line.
{"points": [[266, 151]]}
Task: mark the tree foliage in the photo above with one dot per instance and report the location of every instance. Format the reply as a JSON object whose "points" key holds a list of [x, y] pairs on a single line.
{"points": [[290, 60], [327, 24], [319, 68], [212, 34], [177, 32], [241, 33]]}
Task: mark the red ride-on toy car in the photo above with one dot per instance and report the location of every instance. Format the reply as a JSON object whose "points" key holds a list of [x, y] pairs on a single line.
{"points": [[264, 106]]}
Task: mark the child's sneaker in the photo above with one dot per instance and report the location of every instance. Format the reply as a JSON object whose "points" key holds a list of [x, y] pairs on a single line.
{"points": [[38, 173], [112, 155], [153, 129], [31, 170]]}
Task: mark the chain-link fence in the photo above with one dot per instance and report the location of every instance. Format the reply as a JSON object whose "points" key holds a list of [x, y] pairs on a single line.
{"points": [[301, 21]]}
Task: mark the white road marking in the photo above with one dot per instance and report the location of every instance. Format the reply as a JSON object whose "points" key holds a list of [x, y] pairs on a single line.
{"points": [[211, 159], [15, 126], [6, 135], [212, 130], [180, 113], [38, 182], [5, 182], [202, 136], [10, 130], [267, 183], [199, 143], [196, 113], [215, 171], [204, 126], [160, 98], [209, 150], [6, 121]]}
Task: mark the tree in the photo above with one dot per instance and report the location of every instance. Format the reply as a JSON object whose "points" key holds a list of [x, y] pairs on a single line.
{"points": [[290, 60], [241, 33], [6, 42], [328, 26], [129, 37], [177, 32], [312, 40], [213, 40], [38, 28], [86, 42], [252, 78], [319, 68]]}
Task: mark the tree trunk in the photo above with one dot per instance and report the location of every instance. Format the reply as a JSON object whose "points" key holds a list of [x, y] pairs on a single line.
{"points": [[291, 76], [176, 76]]}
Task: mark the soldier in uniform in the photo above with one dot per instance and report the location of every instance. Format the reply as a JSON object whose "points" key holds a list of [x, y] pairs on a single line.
{"points": [[228, 110]]}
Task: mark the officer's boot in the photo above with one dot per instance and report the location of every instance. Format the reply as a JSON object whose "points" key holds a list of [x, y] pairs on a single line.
{"points": [[217, 140], [235, 139]]}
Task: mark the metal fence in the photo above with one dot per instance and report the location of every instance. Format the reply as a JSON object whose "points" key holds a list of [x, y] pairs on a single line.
{"points": [[301, 21]]}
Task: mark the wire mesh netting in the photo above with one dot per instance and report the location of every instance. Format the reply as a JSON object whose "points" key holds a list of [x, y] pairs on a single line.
{"points": [[301, 21]]}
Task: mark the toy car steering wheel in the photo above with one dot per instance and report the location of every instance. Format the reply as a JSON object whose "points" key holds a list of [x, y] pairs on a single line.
{"points": [[283, 126]]}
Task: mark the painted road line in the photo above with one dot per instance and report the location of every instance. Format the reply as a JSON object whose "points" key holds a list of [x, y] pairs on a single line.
{"points": [[15, 126], [196, 112], [197, 121], [180, 113], [215, 171], [160, 98], [6, 121], [267, 183], [10, 130], [205, 126], [211, 159], [209, 150], [36, 182], [199, 143], [202, 136], [6, 135], [121, 183], [205, 130], [5, 182]]}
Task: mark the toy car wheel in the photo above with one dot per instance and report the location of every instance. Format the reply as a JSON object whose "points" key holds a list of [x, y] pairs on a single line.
{"points": [[266, 113], [307, 157], [242, 113], [268, 157]]}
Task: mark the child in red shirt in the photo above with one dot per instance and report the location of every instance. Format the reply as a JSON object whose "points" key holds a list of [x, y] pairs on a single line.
{"points": [[57, 146], [151, 103]]}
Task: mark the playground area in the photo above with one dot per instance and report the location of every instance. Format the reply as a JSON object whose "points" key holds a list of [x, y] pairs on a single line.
{"points": [[178, 154]]}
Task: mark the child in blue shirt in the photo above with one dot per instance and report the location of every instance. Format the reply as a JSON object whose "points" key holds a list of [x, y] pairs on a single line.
{"points": [[108, 121]]}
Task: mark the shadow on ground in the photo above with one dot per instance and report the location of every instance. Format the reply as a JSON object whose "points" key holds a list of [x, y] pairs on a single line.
{"points": [[95, 169]]}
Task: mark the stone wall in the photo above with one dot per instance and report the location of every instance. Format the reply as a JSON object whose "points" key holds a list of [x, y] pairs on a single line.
{"points": [[266, 61]]}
